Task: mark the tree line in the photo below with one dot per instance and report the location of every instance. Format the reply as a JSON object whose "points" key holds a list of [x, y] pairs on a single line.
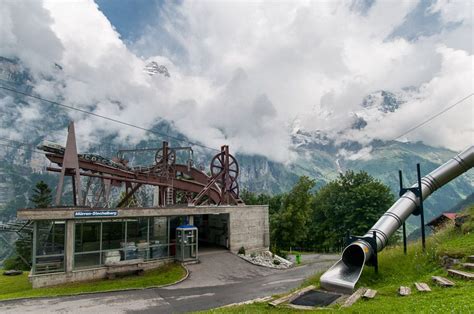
{"points": [[318, 220], [301, 219]]}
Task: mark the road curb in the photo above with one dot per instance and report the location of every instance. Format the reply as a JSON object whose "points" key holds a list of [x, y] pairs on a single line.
{"points": [[97, 292], [257, 300]]}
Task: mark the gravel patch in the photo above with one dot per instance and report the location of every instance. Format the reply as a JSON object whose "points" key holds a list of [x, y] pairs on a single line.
{"points": [[267, 259]]}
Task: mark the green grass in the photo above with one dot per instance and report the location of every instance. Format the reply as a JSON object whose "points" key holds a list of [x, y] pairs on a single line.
{"points": [[397, 269], [13, 287], [300, 252]]}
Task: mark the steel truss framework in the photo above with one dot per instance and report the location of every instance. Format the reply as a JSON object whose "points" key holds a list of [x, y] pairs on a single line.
{"points": [[103, 176]]}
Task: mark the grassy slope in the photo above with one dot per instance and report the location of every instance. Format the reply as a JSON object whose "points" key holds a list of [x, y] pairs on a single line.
{"points": [[19, 287], [397, 269]]}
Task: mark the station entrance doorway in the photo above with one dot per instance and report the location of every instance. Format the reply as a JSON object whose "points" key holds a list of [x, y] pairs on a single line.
{"points": [[213, 232]]}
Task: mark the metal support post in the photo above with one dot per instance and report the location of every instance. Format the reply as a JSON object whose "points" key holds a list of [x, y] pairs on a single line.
{"points": [[419, 210], [420, 205], [376, 260], [404, 239]]}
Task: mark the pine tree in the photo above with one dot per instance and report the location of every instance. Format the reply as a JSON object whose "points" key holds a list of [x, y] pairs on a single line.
{"points": [[41, 195], [41, 198]]}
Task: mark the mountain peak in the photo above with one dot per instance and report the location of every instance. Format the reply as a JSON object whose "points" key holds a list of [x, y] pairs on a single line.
{"points": [[384, 101], [153, 68]]}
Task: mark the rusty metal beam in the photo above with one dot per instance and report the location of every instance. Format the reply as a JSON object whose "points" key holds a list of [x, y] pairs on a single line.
{"points": [[179, 184], [129, 194]]}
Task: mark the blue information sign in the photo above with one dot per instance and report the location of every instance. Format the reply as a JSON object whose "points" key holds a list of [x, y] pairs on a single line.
{"points": [[96, 213]]}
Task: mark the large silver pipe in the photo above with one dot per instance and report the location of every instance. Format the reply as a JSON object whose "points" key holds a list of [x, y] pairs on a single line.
{"points": [[344, 275]]}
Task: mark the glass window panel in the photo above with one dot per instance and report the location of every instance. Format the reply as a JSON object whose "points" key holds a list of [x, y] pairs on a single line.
{"points": [[137, 239], [113, 235], [158, 238], [50, 237], [137, 230], [87, 237], [84, 260], [159, 230]]}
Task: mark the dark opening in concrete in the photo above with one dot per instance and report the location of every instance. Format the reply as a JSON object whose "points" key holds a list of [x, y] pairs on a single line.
{"points": [[316, 298]]}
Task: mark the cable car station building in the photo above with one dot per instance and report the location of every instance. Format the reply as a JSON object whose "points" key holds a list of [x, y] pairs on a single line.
{"points": [[94, 239]]}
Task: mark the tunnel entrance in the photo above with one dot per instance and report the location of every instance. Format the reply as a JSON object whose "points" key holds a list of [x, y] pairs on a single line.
{"points": [[213, 232], [353, 255]]}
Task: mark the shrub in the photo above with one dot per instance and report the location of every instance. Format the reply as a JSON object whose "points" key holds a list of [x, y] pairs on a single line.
{"points": [[282, 254], [241, 250], [253, 255], [276, 262]]}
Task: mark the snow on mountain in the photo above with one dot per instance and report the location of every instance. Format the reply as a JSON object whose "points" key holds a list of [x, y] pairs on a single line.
{"points": [[320, 155], [153, 68]]}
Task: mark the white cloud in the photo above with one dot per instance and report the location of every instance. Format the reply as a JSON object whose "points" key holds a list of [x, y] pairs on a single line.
{"points": [[242, 72], [453, 11], [455, 128]]}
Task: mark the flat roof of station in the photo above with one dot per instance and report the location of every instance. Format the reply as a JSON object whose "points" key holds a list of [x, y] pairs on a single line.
{"points": [[78, 212]]}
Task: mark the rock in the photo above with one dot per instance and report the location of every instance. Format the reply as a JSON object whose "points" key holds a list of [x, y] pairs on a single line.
{"points": [[448, 262], [404, 291], [12, 272], [267, 259]]}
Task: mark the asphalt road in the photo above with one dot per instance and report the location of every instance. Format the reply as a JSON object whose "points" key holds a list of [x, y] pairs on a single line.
{"points": [[220, 279]]}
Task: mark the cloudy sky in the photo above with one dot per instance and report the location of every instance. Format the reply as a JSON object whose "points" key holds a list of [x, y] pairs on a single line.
{"points": [[249, 73]]}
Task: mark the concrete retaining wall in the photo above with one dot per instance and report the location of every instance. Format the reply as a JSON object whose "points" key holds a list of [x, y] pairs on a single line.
{"points": [[45, 280], [249, 228]]}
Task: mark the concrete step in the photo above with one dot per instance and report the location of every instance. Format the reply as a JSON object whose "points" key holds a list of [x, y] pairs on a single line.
{"points": [[404, 291], [354, 297], [443, 282], [370, 294], [422, 287], [468, 265], [470, 259], [461, 274]]}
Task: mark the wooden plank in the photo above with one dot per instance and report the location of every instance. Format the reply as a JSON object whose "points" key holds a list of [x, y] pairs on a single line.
{"points": [[468, 265], [404, 291], [370, 294], [301, 307], [423, 287], [354, 297], [443, 282], [461, 274]]}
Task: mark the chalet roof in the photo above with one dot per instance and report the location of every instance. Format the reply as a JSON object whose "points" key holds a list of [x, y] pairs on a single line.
{"points": [[441, 218]]}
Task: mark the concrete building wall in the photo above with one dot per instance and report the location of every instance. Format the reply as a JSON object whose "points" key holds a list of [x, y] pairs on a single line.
{"points": [[249, 228], [52, 279]]}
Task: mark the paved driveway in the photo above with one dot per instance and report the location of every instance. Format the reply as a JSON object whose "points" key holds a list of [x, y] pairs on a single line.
{"points": [[221, 278], [219, 268]]}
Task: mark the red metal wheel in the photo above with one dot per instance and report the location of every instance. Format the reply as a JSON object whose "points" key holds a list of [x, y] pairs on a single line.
{"points": [[234, 189], [171, 157], [218, 165]]}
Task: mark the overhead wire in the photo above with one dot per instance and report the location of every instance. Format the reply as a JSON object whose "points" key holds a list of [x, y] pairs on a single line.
{"points": [[106, 118], [433, 117], [200, 145], [412, 128]]}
